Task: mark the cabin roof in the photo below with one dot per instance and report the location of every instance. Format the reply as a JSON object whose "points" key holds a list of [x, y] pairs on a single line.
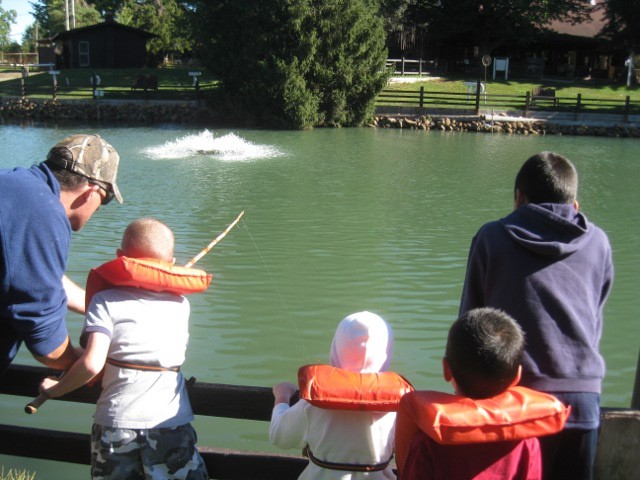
{"points": [[589, 29], [103, 26]]}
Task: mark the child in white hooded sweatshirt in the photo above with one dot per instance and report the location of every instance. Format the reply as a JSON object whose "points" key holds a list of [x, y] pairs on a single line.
{"points": [[348, 444]]}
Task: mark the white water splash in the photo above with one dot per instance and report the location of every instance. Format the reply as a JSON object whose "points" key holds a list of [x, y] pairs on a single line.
{"points": [[225, 147]]}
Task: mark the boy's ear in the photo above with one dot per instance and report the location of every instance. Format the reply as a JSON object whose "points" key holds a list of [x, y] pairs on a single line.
{"points": [[446, 370], [519, 198], [516, 380]]}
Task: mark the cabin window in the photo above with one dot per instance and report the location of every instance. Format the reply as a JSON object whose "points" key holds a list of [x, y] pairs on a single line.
{"points": [[83, 53]]}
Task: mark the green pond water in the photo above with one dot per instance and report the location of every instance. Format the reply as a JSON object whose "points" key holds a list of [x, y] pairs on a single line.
{"points": [[336, 221]]}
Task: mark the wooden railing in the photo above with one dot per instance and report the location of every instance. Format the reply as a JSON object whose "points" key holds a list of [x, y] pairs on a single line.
{"points": [[211, 399], [405, 66], [476, 100], [32, 87], [616, 457]]}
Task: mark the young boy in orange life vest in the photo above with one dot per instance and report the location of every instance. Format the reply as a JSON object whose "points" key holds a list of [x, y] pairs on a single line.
{"points": [[487, 430], [137, 324]]}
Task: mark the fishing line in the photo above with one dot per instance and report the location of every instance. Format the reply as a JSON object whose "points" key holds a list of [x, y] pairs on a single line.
{"points": [[275, 286]]}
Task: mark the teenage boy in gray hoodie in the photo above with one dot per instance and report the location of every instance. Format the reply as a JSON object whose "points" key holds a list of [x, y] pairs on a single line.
{"points": [[551, 269]]}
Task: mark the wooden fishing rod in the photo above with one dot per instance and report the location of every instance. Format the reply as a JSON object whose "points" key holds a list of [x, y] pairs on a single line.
{"points": [[206, 249], [33, 405]]}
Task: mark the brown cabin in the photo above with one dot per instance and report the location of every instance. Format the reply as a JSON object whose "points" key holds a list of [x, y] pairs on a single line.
{"points": [[105, 45]]}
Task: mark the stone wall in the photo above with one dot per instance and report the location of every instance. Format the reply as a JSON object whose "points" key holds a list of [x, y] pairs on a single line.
{"points": [[21, 111], [154, 112], [479, 124]]}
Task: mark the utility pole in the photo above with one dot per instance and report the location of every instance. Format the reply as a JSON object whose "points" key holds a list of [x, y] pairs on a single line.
{"points": [[66, 15], [73, 14]]}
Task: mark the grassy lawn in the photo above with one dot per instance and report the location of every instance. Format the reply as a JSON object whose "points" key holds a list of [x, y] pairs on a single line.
{"points": [[563, 87], [174, 83]]}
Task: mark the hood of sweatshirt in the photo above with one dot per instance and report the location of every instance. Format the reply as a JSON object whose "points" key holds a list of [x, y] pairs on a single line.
{"points": [[548, 229]]}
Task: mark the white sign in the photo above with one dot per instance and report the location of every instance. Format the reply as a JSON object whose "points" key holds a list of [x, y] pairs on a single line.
{"points": [[501, 65]]}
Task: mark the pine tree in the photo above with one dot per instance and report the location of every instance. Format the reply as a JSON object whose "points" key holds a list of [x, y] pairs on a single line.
{"points": [[296, 63]]}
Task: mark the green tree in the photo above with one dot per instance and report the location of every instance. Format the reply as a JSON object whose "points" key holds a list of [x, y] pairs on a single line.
{"points": [[167, 19], [50, 16], [623, 23], [29, 39], [295, 63], [490, 23], [7, 17]]}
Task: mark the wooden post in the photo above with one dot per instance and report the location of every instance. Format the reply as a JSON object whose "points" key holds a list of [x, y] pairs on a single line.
{"points": [[635, 398], [478, 89], [578, 106], [421, 96], [625, 117], [527, 103], [420, 68], [23, 84], [402, 67], [618, 438]]}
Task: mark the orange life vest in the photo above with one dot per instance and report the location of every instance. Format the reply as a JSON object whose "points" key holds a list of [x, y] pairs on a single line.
{"points": [[334, 388], [515, 414], [146, 273]]}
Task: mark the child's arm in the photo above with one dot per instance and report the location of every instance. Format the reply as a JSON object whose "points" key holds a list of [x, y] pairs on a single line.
{"points": [[90, 364], [288, 425]]}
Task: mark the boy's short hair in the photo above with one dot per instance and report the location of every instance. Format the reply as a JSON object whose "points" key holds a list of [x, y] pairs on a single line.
{"points": [[548, 177], [148, 238], [484, 351]]}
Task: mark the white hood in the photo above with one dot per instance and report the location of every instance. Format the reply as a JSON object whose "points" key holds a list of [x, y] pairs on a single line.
{"points": [[363, 343]]}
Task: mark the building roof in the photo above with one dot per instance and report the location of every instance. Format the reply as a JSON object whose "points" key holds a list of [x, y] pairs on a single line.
{"points": [[103, 26], [589, 29]]}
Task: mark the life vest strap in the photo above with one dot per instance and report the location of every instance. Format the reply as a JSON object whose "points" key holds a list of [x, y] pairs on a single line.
{"points": [[142, 366], [349, 467]]}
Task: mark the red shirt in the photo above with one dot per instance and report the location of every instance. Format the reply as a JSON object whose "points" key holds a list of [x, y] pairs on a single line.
{"points": [[510, 460]]}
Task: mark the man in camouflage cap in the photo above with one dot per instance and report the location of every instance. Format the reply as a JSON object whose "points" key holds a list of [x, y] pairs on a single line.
{"points": [[39, 208]]}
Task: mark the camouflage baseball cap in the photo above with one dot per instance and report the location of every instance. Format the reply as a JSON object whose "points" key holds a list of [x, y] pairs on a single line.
{"points": [[91, 157]]}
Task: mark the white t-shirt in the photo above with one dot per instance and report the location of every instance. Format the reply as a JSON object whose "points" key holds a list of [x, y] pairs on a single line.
{"points": [[144, 327]]}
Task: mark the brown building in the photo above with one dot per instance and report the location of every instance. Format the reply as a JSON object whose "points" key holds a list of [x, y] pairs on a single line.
{"points": [[105, 45]]}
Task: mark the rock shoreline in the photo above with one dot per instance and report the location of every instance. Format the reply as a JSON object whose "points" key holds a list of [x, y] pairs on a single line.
{"points": [[150, 112], [25, 111], [482, 125]]}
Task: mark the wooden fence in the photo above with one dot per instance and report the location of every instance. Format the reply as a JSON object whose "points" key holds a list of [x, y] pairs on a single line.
{"points": [[53, 86], [476, 100], [217, 400], [405, 66], [616, 457]]}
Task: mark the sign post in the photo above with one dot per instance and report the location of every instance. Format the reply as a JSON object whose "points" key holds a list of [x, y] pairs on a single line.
{"points": [[54, 74]]}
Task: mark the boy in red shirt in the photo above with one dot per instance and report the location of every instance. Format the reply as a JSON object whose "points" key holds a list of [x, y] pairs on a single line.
{"points": [[482, 361]]}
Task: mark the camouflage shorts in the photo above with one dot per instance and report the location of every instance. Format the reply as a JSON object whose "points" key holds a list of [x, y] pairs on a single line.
{"points": [[157, 453]]}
